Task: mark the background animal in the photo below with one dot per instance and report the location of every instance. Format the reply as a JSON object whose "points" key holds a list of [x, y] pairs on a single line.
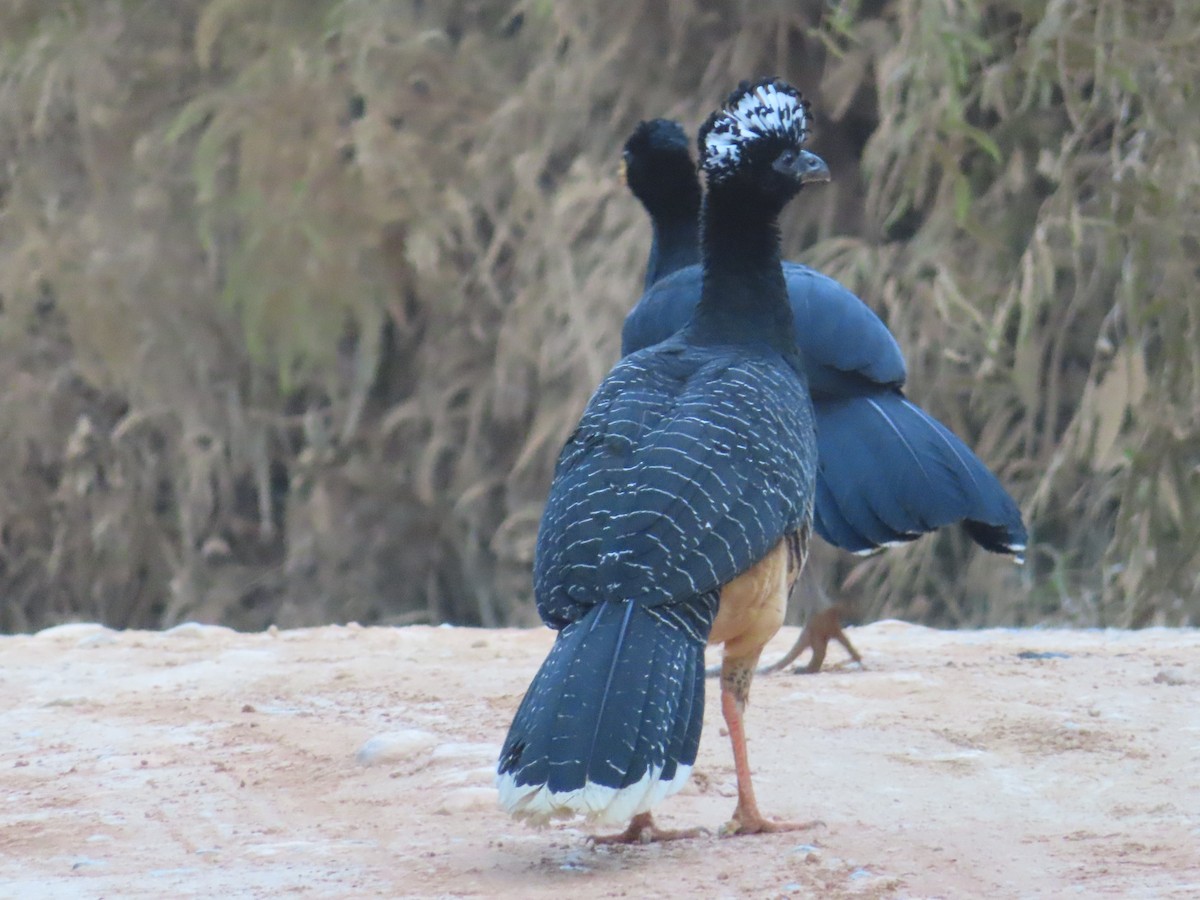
{"points": [[888, 472]]}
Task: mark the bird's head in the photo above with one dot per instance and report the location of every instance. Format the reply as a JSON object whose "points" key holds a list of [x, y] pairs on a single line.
{"points": [[657, 166], [756, 141]]}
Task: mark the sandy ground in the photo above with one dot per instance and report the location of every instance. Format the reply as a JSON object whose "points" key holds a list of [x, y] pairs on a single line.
{"points": [[351, 762]]}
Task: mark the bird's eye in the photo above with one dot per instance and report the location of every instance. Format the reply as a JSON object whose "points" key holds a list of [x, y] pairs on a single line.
{"points": [[787, 157]]}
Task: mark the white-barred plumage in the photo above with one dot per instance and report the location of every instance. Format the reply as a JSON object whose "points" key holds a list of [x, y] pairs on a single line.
{"points": [[763, 109]]}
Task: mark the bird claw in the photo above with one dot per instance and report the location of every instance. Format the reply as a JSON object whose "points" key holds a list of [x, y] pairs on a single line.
{"points": [[642, 830], [736, 827]]}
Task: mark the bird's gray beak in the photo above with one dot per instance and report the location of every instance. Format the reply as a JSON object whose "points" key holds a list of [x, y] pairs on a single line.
{"points": [[809, 167]]}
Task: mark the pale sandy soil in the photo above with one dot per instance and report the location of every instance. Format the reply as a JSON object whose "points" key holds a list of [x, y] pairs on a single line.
{"points": [[204, 763]]}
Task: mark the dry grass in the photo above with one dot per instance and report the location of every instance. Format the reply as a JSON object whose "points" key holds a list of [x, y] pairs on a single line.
{"points": [[300, 298]]}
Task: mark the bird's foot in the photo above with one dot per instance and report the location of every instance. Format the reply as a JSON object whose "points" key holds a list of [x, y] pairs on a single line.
{"points": [[844, 665], [773, 668], [642, 830], [811, 668], [742, 825]]}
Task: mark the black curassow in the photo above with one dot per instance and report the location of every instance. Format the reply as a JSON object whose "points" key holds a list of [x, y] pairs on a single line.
{"points": [[888, 472], [679, 513]]}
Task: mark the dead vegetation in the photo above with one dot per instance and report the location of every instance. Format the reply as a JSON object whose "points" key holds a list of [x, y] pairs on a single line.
{"points": [[300, 298]]}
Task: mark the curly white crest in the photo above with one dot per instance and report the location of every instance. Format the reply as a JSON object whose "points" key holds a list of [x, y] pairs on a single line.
{"points": [[766, 109]]}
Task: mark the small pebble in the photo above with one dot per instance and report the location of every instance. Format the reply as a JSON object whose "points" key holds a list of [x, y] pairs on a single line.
{"points": [[461, 750], [77, 630], [575, 860], [396, 746], [1170, 676], [469, 799], [194, 630], [99, 639]]}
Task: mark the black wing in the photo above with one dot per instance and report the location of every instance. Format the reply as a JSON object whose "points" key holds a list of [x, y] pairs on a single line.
{"points": [[846, 346], [890, 472]]}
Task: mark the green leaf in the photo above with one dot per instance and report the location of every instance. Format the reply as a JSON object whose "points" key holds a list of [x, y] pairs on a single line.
{"points": [[983, 140]]}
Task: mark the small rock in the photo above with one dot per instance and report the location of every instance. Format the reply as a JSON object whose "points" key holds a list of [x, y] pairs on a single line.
{"points": [[454, 777], [1170, 676], [396, 746], [461, 750], [574, 862], [194, 630], [99, 639], [77, 630], [469, 799], [1043, 654]]}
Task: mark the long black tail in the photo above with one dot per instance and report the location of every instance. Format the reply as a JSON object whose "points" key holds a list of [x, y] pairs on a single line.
{"points": [[890, 472], [611, 723]]}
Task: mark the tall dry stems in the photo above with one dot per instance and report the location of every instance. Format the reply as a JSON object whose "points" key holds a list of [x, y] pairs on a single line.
{"points": [[299, 299]]}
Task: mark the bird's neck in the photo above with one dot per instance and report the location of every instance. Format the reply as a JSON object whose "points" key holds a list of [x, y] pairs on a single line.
{"points": [[676, 243], [744, 295]]}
